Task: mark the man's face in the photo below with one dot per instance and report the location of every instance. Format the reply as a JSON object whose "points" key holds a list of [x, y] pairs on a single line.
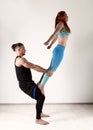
{"points": [[21, 50]]}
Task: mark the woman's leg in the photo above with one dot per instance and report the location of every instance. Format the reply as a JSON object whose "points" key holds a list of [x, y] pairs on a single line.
{"points": [[57, 57], [42, 82]]}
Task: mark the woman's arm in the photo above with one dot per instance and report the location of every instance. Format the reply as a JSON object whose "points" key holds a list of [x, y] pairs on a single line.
{"points": [[57, 29], [52, 42]]}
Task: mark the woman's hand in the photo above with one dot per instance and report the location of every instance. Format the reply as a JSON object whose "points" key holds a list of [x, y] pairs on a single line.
{"points": [[48, 47], [46, 43]]}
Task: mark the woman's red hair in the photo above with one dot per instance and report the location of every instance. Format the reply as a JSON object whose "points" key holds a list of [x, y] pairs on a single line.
{"points": [[62, 14]]}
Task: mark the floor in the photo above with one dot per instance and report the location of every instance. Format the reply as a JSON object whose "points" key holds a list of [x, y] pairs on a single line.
{"points": [[62, 117]]}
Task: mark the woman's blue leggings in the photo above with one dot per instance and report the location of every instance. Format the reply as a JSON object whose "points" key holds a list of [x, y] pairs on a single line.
{"points": [[57, 57]]}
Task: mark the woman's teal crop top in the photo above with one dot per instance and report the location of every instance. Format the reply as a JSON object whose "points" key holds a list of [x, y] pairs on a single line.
{"points": [[63, 32]]}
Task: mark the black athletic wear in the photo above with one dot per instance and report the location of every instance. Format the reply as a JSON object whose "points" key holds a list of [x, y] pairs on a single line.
{"points": [[28, 86]]}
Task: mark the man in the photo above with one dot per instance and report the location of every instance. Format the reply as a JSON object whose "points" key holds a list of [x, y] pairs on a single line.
{"points": [[26, 84]]}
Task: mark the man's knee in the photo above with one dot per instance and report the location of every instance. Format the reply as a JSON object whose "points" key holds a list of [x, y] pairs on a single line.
{"points": [[42, 97]]}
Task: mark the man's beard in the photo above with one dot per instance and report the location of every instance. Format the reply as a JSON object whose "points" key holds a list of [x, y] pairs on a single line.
{"points": [[23, 54]]}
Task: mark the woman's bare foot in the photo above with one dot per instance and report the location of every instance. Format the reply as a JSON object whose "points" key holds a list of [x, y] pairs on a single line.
{"points": [[44, 115], [41, 88], [41, 122]]}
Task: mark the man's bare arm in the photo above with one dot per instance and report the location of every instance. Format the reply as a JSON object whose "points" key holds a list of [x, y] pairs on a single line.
{"points": [[27, 64]]}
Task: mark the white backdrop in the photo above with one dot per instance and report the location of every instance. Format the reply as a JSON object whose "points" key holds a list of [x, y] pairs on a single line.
{"points": [[32, 22]]}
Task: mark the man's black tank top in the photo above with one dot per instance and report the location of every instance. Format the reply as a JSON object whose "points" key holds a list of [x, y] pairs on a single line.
{"points": [[23, 73]]}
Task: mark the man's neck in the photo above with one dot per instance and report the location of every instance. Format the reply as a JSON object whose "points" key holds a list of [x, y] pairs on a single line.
{"points": [[20, 55]]}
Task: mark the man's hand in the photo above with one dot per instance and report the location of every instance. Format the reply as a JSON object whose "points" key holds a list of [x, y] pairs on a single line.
{"points": [[49, 72]]}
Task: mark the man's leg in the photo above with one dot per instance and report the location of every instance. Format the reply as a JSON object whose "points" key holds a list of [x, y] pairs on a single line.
{"points": [[39, 106]]}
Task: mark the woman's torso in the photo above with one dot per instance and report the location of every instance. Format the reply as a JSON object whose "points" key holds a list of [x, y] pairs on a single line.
{"points": [[63, 36]]}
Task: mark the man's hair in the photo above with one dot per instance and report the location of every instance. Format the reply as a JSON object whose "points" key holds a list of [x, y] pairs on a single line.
{"points": [[14, 46]]}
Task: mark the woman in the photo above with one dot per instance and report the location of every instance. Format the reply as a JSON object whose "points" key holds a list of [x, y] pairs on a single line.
{"points": [[61, 34]]}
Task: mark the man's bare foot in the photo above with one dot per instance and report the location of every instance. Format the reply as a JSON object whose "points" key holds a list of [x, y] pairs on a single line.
{"points": [[41, 122], [44, 115], [41, 88]]}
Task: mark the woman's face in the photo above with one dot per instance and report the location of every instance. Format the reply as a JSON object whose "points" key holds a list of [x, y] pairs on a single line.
{"points": [[66, 17]]}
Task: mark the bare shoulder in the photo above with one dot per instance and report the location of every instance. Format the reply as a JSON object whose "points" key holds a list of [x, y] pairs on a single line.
{"points": [[60, 24], [20, 61]]}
